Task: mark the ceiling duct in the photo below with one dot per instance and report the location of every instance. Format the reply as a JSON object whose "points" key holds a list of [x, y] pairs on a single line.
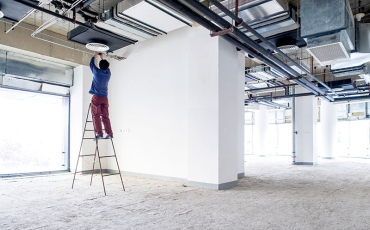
{"points": [[85, 35], [268, 18], [261, 72], [328, 26], [13, 10], [363, 34], [357, 65], [142, 19]]}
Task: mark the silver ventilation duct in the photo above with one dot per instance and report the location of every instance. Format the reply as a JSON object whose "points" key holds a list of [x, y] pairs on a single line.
{"points": [[267, 17], [142, 19], [363, 34], [328, 26], [261, 72], [357, 65]]}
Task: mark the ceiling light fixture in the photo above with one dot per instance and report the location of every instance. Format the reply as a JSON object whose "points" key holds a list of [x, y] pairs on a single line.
{"points": [[98, 47]]}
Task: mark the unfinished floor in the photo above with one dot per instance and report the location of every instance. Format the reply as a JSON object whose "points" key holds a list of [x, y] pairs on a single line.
{"points": [[274, 195]]}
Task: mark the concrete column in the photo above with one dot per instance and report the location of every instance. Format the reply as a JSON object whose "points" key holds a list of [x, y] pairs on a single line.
{"points": [[213, 111], [306, 126], [260, 131], [329, 120]]}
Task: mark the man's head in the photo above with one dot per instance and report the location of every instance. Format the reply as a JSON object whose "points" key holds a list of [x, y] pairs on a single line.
{"points": [[104, 64]]}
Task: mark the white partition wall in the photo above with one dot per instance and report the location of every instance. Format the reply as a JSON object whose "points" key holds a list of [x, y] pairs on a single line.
{"points": [[175, 104]]}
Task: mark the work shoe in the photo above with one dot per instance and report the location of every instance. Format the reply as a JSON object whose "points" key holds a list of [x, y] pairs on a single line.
{"points": [[109, 137], [99, 136]]}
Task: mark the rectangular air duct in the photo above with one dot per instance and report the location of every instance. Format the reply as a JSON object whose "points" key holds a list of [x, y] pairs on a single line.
{"points": [[267, 17], [14, 10], [84, 35], [142, 19], [261, 72], [328, 26]]}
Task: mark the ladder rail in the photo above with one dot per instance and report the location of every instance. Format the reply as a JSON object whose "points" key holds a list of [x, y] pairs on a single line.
{"points": [[79, 153]]}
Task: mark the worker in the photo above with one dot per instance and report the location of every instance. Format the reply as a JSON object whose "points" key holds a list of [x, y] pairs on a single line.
{"points": [[99, 100]]}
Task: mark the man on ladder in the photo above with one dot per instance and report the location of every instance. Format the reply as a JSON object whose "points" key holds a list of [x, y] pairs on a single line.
{"points": [[99, 100], [99, 107]]}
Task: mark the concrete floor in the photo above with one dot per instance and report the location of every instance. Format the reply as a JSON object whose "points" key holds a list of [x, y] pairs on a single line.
{"points": [[274, 195]]}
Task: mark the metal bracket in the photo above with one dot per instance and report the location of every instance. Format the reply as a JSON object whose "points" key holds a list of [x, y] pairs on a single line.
{"points": [[222, 32]]}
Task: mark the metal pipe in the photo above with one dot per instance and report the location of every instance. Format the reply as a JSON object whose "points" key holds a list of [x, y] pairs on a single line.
{"points": [[51, 13], [250, 29], [236, 32], [353, 98], [272, 87], [275, 104]]}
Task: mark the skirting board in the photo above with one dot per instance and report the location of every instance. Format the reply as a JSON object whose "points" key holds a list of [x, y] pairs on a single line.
{"points": [[175, 179], [213, 186], [305, 163]]}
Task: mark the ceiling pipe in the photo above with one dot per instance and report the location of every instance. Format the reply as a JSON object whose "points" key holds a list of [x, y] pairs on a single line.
{"points": [[272, 87], [237, 33], [52, 13], [263, 39], [212, 27]]}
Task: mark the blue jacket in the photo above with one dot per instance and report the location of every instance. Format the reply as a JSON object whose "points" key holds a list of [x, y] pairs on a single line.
{"points": [[100, 80]]}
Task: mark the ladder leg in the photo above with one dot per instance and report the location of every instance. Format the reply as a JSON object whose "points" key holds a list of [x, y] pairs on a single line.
{"points": [[92, 172], [101, 171], [115, 156], [79, 153]]}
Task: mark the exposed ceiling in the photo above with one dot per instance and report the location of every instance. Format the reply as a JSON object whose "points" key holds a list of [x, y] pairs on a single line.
{"points": [[282, 27]]}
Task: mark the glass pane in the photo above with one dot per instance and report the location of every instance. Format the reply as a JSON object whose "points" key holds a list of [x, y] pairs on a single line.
{"points": [[33, 132], [35, 68]]}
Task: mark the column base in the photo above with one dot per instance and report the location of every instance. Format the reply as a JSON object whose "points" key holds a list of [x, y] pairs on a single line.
{"points": [[305, 163], [213, 186], [241, 175]]}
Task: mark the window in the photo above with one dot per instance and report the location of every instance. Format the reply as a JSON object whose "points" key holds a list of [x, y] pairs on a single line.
{"points": [[34, 132]]}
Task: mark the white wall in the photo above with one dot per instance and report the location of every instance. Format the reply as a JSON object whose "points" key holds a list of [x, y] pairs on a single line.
{"points": [[148, 97], [174, 107]]}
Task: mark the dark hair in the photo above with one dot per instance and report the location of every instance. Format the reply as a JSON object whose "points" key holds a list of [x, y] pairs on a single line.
{"points": [[104, 64]]}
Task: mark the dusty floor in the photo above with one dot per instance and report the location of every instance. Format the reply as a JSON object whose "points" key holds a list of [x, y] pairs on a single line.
{"points": [[274, 195]]}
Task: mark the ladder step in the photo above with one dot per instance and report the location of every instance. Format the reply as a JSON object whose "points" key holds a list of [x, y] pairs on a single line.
{"points": [[91, 129], [108, 156], [88, 138], [111, 174], [87, 155]]}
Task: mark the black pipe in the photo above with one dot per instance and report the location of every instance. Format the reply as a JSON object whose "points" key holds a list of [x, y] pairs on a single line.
{"points": [[51, 13], [222, 22]]}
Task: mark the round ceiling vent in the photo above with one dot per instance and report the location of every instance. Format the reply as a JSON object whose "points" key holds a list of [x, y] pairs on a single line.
{"points": [[288, 48], [98, 47]]}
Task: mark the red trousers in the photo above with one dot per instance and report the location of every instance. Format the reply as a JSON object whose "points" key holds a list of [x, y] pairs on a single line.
{"points": [[99, 110]]}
